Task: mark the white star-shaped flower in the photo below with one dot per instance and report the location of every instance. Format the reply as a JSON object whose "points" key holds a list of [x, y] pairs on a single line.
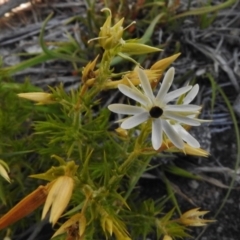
{"points": [[165, 117]]}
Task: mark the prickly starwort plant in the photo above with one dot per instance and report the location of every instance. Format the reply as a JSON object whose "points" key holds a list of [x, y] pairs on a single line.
{"points": [[91, 192]]}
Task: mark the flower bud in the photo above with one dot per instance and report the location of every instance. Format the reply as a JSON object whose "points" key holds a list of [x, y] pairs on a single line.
{"points": [[134, 48], [191, 218], [167, 237], [75, 224], [26, 206], [39, 97], [4, 169], [122, 132], [58, 198], [110, 37]]}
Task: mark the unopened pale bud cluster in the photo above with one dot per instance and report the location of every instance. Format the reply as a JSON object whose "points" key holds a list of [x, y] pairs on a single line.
{"points": [[110, 37], [75, 224], [192, 218]]}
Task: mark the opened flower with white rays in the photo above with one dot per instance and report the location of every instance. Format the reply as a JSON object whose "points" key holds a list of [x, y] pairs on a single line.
{"points": [[166, 118]]}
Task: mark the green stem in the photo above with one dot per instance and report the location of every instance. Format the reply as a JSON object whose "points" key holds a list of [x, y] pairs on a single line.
{"points": [[51, 53], [123, 167], [204, 10], [136, 177], [105, 67]]}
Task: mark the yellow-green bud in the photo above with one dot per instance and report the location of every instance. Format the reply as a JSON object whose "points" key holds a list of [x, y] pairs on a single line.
{"points": [[138, 48], [110, 37]]}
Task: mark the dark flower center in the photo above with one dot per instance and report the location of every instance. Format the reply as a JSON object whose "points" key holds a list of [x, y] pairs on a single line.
{"points": [[156, 112]]}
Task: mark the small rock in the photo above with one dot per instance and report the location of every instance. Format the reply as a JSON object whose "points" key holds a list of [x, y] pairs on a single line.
{"points": [[8, 58], [219, 229], [11, 60], [33, 49], [193, 184], [216, 195]]}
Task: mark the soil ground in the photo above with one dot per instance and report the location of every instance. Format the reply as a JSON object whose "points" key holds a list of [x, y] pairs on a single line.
{"points": [[215, 50]]}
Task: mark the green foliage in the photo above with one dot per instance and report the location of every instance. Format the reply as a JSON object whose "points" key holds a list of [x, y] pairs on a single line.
{"points": [[76, 129], [17, 147]]}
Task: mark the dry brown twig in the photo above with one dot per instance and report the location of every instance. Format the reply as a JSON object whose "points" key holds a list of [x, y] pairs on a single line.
{"points": [[9, 5]]}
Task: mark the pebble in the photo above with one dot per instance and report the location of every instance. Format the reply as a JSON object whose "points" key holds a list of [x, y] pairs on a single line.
{"points": [[193, 184]]}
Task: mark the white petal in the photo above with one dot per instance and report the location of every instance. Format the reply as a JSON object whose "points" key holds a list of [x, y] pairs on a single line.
{"points": [[174, 94], [172, 134], [133, 93], [191, 95], [183, 108], [145, 84], [204, 120], [186, 136], [157, 133], [125, 109], [135, 120], [182, 119], [166, 84]]}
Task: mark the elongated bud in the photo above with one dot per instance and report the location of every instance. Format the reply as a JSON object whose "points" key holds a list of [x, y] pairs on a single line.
{"points": [[132, 48], [58, 198], [26, 206], [39, 97], [4, 169]]}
